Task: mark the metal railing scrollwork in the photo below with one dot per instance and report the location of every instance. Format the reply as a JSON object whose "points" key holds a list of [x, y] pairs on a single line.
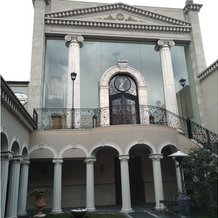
{"points": [[87, 118]]}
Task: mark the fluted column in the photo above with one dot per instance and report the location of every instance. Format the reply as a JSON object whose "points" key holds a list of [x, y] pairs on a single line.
{"points": [[57, 186], [125, 187], [167, 72], [90, 198], [73, 43], [12, 201], [24, 172], [158, 183], [5, 158]]}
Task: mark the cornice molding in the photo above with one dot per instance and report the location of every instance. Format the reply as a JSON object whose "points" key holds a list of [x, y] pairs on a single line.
{"points": [[114, 7], [116, 26], [209, 70], [12, 104], [192, 7]]}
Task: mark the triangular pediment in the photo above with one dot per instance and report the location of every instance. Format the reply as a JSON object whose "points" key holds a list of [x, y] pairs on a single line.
{"points": [[120, 14]]}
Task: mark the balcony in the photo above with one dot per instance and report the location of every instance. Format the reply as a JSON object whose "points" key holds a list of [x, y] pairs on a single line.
{"points": [[83, 118]]}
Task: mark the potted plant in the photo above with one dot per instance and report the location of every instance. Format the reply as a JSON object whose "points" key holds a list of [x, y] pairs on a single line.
{"points": [[40, 199]]}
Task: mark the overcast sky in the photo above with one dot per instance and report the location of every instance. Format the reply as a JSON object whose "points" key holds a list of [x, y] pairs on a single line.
{"points": [[16, 19]]}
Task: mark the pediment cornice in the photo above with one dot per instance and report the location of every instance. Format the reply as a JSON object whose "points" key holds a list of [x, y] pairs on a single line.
{"points": [[114, 7], [209, 70], [117, 16], [192, 7]]}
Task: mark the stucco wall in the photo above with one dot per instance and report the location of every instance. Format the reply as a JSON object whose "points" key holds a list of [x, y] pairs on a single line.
{"points": [[210, 95]]}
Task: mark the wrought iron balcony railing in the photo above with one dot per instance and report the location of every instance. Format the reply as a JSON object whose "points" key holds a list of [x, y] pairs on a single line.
{"points": [[61, 118]]}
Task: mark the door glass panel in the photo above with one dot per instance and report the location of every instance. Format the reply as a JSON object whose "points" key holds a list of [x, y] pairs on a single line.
{"points": [[123, 101]]}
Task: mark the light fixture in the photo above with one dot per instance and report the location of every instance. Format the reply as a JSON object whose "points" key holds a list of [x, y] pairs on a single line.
{"points": [[102, 167], [73, 75], [184, 202], [45, 169], [182, 82]]}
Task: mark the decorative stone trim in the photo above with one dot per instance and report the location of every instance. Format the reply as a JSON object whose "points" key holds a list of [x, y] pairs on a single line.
{"points": [[117, 26], [156, 156], [7, 154], [208, 70], [164, 43], [192, 7], [119, 6], [10, 102]]}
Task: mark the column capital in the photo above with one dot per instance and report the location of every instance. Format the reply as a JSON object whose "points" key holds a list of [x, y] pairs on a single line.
{"points": [[124, 157], [90, 160], [26, 162], [7, 155], [156, 156], [162, 43], [73, 39], [18, 159], [57, 160]]}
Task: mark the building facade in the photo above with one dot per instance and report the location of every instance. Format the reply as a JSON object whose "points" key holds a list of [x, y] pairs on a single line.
{"points": [[103, 136]]}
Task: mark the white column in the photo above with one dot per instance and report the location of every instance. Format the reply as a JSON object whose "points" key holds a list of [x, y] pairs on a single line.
{"points": [[24, 172], [124, 169], [57, 186], [12, 201], [5, 158], [73, 43], [167, 72], [90, 197], [158, 184]]}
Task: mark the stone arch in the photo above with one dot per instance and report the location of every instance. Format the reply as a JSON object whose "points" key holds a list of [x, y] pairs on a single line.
{"points": [[97, 146], [43, 146], [122, 68], [169, 143], [15, 146], [150, 146], [73, 146], [25, 151], [4, 139]]}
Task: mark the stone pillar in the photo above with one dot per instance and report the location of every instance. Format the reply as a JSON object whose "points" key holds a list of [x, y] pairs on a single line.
{"points": [[124, 169], [73, 43], [24, 172], [5, 158], [167, 72], [57, 186], [197, 56], [35, 87], [158, 184], [12, 201], [90, 198]]}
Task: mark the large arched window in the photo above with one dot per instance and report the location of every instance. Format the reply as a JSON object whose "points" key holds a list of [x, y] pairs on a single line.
{"points": [[123, 100]]}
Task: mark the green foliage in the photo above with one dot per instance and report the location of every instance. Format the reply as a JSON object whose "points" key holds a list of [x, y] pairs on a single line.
{"points": [[88, 215], [39, 191], [201, 173]]}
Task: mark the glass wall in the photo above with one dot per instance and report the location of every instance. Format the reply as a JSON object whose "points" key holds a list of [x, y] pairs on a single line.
{"points": [[55, 77], [96, 57]]}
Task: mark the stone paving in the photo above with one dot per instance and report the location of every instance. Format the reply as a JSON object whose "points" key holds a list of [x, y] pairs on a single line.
{"points": [[143, 211]]}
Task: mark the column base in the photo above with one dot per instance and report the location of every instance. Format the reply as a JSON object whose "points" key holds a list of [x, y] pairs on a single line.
{"points": [[21, 213], [127, 210], [56, 211], [90, 209], [159, 208], [42, 215]]}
